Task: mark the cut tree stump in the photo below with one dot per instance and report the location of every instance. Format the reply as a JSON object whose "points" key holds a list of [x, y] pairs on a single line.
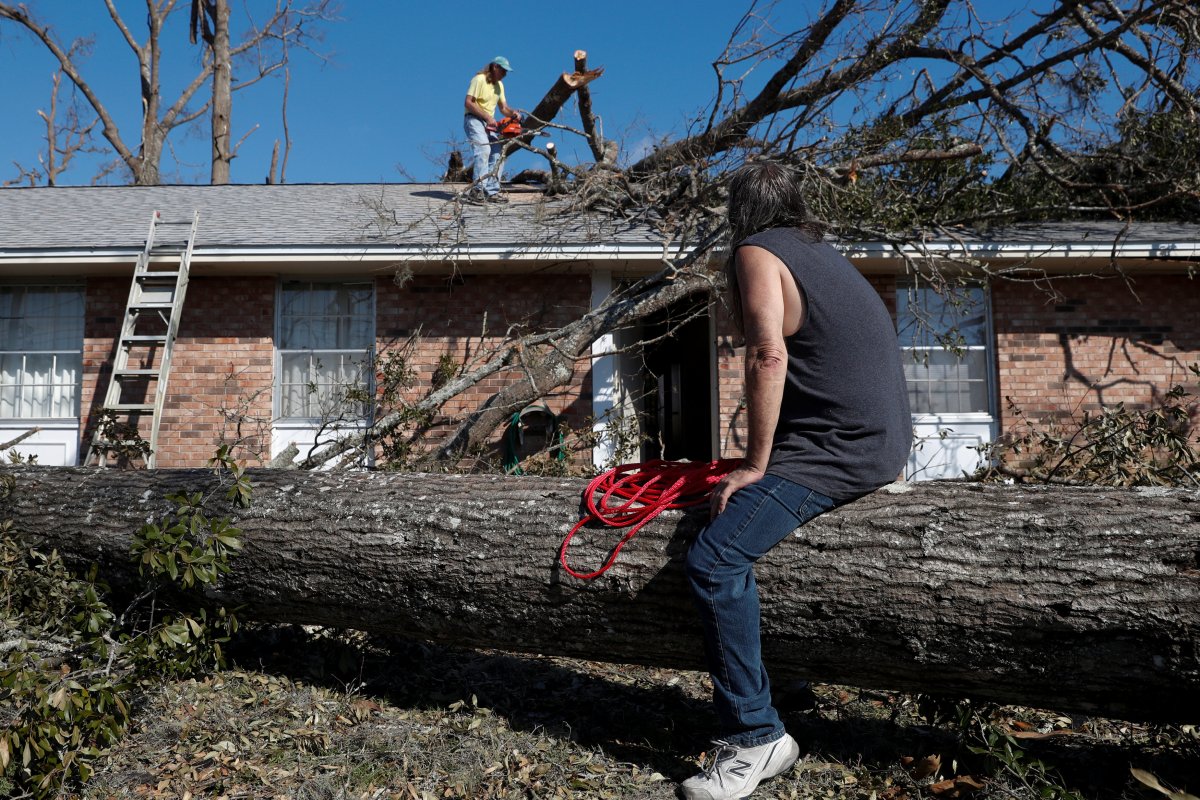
{"points": [[1076, 599]]}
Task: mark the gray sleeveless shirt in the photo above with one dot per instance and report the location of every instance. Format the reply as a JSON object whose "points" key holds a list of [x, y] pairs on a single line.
{"points": [[844, 426]]}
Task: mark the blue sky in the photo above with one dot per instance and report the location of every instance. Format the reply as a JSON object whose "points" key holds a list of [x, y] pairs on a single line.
{"points": [[388, 104]]}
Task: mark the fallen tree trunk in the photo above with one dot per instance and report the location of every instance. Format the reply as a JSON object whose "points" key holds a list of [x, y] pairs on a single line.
{"points": [[1077, 599]]}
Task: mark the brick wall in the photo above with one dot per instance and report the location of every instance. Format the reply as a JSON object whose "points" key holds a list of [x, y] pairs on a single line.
{"points": [[466, 318], [220, 388], [221, 374], [1096, 342]]}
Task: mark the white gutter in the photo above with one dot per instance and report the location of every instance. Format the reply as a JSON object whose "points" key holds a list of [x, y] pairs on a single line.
{"points": [[244, 255], [1026, 250], [604, 252]]}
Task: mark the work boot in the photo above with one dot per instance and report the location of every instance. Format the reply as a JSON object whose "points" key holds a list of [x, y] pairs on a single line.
{"points": [[734, 772], [474, 195], [497, 198]]}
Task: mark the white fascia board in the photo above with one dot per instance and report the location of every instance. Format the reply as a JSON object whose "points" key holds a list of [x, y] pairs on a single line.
{"points": [[989, 251], [1027, 250], [249, 255]]}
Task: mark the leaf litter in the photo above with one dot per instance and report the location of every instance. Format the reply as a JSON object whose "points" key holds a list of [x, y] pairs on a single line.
{"points": [[315, 715]]}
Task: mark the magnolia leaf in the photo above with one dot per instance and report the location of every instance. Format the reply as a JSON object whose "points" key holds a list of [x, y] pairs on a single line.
{"points": [[1150, 780]]}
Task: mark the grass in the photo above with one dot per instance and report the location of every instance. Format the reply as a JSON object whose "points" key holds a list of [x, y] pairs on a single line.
{"points": [[318, 714]]}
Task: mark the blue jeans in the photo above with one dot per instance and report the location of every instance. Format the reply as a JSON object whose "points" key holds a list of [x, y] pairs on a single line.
{"points": [[720, 568], [487, 163]]}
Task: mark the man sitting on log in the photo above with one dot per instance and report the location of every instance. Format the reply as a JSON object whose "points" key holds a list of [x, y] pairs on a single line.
{"points": [[828, 418]]}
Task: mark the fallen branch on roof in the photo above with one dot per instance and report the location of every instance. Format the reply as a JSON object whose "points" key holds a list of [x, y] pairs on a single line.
{"points": [[545, 111]]}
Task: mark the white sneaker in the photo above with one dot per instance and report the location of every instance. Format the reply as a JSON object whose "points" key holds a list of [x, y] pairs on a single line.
{"points": [[734, 772]]}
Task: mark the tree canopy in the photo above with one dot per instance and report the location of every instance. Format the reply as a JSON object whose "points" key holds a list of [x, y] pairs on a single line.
{"points": [[930, 113]]}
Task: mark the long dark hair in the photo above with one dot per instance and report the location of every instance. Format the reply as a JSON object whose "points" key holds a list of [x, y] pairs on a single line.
{"points": [[763, 195]]}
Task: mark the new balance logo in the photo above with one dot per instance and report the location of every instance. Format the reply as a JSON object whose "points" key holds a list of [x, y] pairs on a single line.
{"points": [[739, 768]]}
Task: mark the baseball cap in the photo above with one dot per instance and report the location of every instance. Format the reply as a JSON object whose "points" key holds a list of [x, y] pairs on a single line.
{"points": [[502, 63]]}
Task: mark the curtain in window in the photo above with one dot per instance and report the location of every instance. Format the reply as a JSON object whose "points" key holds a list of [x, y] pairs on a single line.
{"points": [[326, 340], [41, 351]]}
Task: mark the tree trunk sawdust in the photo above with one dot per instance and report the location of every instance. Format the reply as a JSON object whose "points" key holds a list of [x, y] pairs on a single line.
{"points": [[1077, 599]]}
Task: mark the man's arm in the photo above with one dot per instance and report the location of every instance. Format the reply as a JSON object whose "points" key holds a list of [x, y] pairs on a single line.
{"points": [[474, 109], [760, 275]]}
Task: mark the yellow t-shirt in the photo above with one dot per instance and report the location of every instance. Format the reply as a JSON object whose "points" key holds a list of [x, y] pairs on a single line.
{"points": [[486, 94]]}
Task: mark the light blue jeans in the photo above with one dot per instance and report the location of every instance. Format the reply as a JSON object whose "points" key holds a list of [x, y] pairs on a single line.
{"points": [[720, 568], [487, 161]]}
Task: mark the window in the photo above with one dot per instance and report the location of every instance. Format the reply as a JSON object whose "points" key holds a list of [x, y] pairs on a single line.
{"points": [[41, 351], [944, 339], [326, 343]]}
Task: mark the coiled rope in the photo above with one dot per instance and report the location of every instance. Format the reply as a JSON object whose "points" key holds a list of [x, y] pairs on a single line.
{"points": [[634, 494]]}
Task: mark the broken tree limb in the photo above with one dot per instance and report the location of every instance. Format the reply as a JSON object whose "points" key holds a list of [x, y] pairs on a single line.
{"points": [[602, 151], [545, 111], [14, 442], [1077, 599]]}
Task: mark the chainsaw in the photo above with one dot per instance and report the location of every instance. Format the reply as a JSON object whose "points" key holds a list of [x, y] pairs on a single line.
{"points": [[509, 127]]}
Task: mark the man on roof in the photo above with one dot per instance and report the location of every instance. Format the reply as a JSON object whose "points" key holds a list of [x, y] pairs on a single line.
{"points": [[484, 95]]}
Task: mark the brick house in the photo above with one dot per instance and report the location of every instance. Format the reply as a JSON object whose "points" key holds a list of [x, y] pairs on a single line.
{"points": [[294, 288]]}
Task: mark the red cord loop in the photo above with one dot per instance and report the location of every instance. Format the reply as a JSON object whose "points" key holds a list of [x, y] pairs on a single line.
{"points": [[634, 494]]}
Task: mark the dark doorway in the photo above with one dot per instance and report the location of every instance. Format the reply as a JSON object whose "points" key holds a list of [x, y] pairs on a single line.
{"points": [[677, 385]]}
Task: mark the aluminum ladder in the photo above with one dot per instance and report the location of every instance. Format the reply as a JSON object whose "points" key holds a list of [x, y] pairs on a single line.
{"points": [[142, 362]]}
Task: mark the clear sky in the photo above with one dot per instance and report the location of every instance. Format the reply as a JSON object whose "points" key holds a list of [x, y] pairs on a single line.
{"points": [[387, 106]]}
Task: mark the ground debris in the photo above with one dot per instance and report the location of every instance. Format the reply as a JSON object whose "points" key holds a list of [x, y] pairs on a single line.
{"points": [[321, 714]]}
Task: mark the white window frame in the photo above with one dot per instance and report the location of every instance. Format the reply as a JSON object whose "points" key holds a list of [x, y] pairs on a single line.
{"points": [[304, 430], [946, 443], [57, 441]]}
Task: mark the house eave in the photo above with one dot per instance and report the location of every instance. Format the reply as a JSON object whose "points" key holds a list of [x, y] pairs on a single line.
{"points": [[1027, 250], [226, 260], [1033, 257], [627, 258]]}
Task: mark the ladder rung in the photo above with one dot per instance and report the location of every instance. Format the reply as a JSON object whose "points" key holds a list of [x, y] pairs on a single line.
{"points": [[161, 271]]}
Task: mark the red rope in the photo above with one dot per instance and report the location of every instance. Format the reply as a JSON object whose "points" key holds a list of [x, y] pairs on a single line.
{"points": [[634, 494]]}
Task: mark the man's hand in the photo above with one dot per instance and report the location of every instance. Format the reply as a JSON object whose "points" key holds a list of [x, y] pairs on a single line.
{"points": [[738, 479], [490, 126]]}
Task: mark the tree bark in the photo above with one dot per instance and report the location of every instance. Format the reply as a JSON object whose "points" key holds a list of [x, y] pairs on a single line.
{"points": [[222, 95], [600, 150], [1077, 599]]}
